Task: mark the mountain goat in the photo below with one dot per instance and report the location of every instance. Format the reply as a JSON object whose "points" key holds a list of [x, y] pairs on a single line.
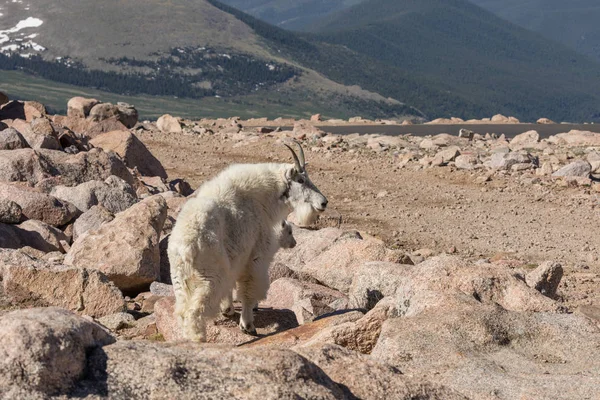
{"points": [[226, 234]]}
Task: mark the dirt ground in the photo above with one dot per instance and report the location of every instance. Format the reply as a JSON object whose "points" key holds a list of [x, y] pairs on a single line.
{"points": [[427, 211]]}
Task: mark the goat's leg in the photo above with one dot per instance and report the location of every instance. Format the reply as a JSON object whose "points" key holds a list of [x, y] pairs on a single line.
{"points": [[202, 305], [227, 305], [251, 288]]}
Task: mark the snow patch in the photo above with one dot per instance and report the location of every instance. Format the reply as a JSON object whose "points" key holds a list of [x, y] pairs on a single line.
{"points": [[10, 47], [30, 22]]}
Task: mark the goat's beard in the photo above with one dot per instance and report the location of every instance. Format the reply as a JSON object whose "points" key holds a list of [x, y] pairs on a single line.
{"points": [[305, 215]]}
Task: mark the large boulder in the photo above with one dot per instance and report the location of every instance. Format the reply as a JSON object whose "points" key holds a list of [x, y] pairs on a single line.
{"points": [[44, 350], [79, 107], [307, 300], [504, 161], [37, 205], [189, 371], [24, 165], [42, 135], [11, 139], [125, 249], [87, 127], [132, 151], [482, 349], [336, 266], [103, 111], [27, 281], [114, 194]]}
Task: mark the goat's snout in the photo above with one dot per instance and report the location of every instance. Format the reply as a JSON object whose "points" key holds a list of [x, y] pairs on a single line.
{"points": [[324, 204]]}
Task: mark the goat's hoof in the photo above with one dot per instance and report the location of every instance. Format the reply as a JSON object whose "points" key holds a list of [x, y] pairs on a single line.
{"points": [[249, 331], [228, 312]]}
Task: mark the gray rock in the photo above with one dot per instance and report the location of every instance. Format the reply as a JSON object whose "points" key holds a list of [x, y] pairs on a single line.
{"points": [[465, 161], [91, 219], [545, 278], [79, 107], [505, 161], [11, 139], [576, 168], [45, 349], [103, 111], [445, 156], [114, 194], [161, 289], [128, 115], [117, 321], [10, 212]]}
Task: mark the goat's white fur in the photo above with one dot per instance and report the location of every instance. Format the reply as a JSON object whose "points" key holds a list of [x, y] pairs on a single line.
{"points": [[226, 234]]}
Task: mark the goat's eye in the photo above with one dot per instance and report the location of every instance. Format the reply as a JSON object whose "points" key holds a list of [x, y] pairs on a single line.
{"points": [[301, 181]]}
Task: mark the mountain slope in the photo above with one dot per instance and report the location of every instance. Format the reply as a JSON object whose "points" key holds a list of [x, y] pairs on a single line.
{"points": [[290, 14], [187, 48], [476, 54], [573, 23]]}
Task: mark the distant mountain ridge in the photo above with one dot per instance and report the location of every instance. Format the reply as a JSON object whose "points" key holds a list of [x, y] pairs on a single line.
{"points": [[378, 58], [573, 22]]}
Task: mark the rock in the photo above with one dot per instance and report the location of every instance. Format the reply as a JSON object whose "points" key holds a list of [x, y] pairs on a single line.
{"points": [[542, 121], [132, 151], [315, 118], [45, 350], [92, 219], [12, 110], [79, 107], [3, 99], [545, 170], [103, 111], [27, 281], [223, 329], [128, 115], [125, 249], [545, 278], [117, 321], [303, 334], [466, 133], [504, 161], [41, 236], [445, 156], [114, 194], [427, 144], [42, 135], [88, 128], [168, 124], [37, 205], [375, 280], [161, 289], [95, 164], [181, 186], [9, 238], [575, 138], [367, 379], [525, 140], [304, 129], [189, 371], [577, 168], [466, 161], [481, 349], [499, 118], [307, 300], [10, 212], [11, 139], [336, 266]]}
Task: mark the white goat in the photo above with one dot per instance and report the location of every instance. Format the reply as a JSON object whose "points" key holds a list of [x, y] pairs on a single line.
{"points": [[284, 235], [226, 234]]}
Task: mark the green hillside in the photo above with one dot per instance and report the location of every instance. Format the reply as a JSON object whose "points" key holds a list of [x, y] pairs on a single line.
{"points": [[293, 15], [476, 54], [574, 23]]}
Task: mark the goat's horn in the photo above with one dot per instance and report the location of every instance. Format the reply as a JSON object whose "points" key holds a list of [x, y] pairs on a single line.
{"points": [[296, 161], [301, 154]]}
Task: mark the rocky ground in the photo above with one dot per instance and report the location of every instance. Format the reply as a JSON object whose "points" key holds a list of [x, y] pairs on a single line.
{"points": [[445, 268]]}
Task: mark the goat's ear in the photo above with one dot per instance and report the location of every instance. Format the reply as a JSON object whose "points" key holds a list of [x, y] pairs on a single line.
{"points": [[291, 173]]}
